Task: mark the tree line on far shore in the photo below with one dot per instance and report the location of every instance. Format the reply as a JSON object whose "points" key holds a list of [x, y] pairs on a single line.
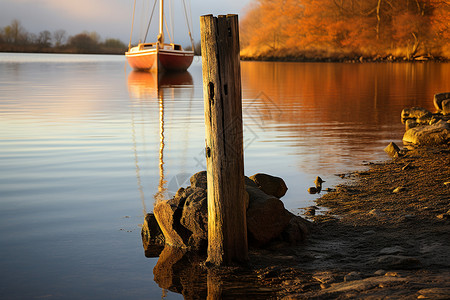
{"points": [[15, 38], [363, 29]]}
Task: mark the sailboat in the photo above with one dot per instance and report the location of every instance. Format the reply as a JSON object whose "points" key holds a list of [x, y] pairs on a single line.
{"points": [[159, 56]]}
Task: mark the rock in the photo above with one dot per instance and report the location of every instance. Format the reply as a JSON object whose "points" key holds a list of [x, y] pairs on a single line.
{"points": [[438, 98], [446, 107], [199, 180], [296, 231], [399, 189], [430, 135], [361, 285], [271, 185], [168, 214], [398, 262], [250, 182], [379, 272], [195, 213], [152, 236], [410, 123], [180, 192], [352, 276], [434, 293], [324, 277], [392, 150], [444, 216], [415, 113], [312, 190], [266, 216], [198, 242]]}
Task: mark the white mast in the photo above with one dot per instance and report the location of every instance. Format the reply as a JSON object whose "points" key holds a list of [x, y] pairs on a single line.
{"points": [[161, 22]]}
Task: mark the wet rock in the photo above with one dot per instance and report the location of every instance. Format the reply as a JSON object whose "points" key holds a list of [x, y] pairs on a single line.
{"points": [[313, 190], [195, 213], [415, 113], [152, 236], [271, 185], [439, 98], [168, 214], [392, 150], [266, 216], [199, 180], [179, 271], [430, 135], [398, 262]]}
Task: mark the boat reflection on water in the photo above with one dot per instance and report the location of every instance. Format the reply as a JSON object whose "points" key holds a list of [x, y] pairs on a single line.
{"points": [[147, 86]]}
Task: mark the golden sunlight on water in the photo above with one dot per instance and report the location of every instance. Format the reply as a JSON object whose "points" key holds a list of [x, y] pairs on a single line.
{"points": [[337, 112]]}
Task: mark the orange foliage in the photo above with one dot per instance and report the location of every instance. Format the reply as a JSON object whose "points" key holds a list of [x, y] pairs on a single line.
{"points": [[336, 28]]}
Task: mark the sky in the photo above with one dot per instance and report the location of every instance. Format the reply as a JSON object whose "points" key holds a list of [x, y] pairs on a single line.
{"points": [[109, 18]]}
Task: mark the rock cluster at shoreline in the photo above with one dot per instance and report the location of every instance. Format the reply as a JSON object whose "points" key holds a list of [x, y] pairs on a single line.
{"points": [[182, 221], [424, 128]]}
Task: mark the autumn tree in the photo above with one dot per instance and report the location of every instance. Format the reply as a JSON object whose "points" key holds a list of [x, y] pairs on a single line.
{"points": [[346, 27]]}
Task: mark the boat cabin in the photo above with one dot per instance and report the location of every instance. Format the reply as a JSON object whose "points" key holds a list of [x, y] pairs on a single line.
{"points": [[150, 46]]}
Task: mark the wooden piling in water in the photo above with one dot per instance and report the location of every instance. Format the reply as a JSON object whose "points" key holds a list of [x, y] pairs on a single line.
{"points": [[227, 225]]}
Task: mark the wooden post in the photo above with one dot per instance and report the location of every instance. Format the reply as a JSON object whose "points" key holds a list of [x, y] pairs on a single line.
{"points": [[227, 224]]}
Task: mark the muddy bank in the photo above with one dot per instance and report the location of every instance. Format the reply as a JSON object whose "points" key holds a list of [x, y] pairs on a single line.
{"points": [[385, 235]]}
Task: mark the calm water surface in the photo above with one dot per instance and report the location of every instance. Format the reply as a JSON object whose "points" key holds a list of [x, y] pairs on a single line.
{"points": [[86, 145]]}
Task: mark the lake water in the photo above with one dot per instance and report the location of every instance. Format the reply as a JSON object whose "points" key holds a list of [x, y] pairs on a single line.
{"points": [[87, 145]]}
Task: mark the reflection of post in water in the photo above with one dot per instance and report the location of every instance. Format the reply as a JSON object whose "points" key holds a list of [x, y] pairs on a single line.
{"points": [[160, 195]]}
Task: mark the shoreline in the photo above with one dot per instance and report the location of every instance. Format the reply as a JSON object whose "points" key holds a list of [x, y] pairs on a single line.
{"points": [[350, 59], [374, 241], [371, 242]]}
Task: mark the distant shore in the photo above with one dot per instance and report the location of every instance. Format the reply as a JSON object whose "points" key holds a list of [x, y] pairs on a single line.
{"points": [[59, 51]]}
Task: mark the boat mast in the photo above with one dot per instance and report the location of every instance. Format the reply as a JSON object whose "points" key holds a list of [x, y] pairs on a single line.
{"points": [[161, 22], [132, 24]]}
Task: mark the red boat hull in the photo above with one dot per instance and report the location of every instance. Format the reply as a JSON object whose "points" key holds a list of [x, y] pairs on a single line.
{"points": [[160, 59]]}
